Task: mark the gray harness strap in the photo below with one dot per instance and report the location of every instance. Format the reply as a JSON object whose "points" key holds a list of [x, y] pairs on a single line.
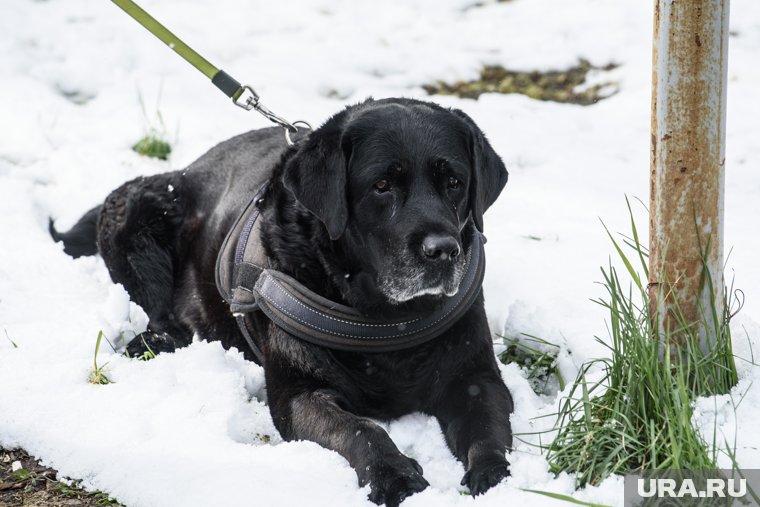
{"points": [[248, 284], [233, 274]]}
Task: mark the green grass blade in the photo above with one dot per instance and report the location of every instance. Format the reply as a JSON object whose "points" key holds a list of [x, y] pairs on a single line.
{"points": [[566, 498]]}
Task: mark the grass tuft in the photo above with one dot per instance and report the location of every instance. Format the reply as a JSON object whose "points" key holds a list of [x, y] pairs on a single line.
{"points": [[97, 375], [154, 143], [637, 416], [154, 146], [148, 354], [538, 358]]}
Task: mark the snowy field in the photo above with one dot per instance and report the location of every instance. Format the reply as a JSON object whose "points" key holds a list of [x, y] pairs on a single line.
{"points": [[188, 428]]}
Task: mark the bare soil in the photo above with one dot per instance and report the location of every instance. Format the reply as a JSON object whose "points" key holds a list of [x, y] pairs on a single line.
{"points": [[556, 86], [34, 485]]}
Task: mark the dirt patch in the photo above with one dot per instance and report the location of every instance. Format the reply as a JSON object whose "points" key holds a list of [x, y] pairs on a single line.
{"points": [[567, 86], [26, 483]]}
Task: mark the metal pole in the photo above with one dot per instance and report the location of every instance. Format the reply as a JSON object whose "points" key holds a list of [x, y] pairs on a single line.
{"points": [[688, 161]]}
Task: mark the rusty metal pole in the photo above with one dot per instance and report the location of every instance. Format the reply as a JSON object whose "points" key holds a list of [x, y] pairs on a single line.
{"points": [[690, 57]]}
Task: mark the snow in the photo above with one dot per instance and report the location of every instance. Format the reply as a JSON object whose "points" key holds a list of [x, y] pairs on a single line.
{"points": [[192, 428]]}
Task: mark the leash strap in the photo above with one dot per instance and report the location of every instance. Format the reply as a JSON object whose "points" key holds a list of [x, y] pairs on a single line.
{"points": [[243, 96]]}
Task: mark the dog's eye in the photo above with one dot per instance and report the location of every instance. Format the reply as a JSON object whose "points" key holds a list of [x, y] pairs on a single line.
{"points": [[454, 182], [381, 186]]}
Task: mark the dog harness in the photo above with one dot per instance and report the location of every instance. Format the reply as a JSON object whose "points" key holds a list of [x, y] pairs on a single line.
{"points": [[248, 284]]}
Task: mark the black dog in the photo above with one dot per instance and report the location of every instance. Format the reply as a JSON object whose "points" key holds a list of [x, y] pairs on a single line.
{"points": [[369, 210]]}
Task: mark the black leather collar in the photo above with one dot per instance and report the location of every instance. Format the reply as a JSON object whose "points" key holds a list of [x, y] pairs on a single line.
{"points": [[247, 284]]}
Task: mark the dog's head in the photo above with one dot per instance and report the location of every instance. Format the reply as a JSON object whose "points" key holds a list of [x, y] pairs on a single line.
{"points": [[395, 182]]}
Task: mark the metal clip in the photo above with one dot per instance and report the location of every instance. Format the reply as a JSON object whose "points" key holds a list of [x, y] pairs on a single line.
{"points": [[248, 99]]}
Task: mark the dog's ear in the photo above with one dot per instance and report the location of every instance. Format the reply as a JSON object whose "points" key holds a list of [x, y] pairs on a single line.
{"points": [[316, 175], [489, 175]]}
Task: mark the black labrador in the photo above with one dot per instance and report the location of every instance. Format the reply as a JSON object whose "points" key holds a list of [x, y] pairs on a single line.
{"points": [[367, 210]]}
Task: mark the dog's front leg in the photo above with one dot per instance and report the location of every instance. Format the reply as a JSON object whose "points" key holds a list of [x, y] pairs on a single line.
{"points": [[316, 415], [474, 416]]}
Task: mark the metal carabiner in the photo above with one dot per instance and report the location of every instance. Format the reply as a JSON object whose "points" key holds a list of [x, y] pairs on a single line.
{"points": [[248, 99]]}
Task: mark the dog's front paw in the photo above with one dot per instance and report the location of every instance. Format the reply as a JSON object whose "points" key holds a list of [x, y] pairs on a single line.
{"points": [[147, 344], [391, 482], [483, 476]]}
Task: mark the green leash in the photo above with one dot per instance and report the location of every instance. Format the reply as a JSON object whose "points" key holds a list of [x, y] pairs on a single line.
{"points": [[242, 95]]}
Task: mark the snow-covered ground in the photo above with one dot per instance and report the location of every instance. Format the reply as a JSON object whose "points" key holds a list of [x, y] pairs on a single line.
{"points": [[188, 428]]}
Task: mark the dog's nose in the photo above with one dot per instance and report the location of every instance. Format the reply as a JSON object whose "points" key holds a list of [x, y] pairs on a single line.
{"points": [[440, 247]]}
